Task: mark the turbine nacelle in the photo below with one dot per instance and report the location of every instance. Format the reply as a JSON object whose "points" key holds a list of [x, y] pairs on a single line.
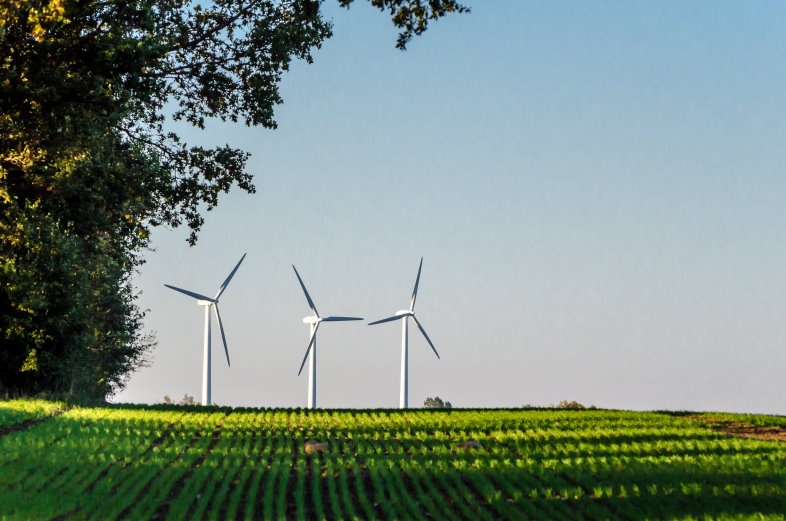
{"points": [[203, 300], [404, 315], [314, 321]]}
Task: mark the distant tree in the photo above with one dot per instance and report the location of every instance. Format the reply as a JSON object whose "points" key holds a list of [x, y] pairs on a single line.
{"points": [[436, 403], [187, 399], [565, 404]]}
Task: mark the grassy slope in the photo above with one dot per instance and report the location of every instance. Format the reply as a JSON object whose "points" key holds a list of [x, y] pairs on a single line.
{"points": [[126, 462]]}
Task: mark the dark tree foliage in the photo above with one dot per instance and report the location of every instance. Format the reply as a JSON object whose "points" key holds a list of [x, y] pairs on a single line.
{"points": [[413, 16], [87, 165], [436, 403]]}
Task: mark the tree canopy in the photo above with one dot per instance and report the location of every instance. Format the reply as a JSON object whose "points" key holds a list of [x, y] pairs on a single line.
{"points": [[436, 403], [88, 165]]}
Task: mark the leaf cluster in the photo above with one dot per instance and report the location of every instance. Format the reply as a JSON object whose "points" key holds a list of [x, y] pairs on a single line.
{"points": [[413, 16]]}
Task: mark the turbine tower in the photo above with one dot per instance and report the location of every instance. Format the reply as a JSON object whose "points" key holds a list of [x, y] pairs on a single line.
{"points": [[406, 314], [208, 302], [314, 322]]}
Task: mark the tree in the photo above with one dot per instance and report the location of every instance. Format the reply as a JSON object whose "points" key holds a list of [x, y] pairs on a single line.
{"points": [[88, 167], [187, 399], [436, 403], [573, 404]]}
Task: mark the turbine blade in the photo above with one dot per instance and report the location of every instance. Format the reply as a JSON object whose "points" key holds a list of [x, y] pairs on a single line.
{"points": [[339, 319], [223, 336], [308, 349], [389, 319], [308, 297], [226, 282], [190, 293], [415, 291], [425, 335]]}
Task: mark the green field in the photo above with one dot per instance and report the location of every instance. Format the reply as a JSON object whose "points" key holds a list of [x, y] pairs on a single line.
{"points": [[166, 462]]}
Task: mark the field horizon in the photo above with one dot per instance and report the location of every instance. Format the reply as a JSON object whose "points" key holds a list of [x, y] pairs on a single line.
{"points": [[62, 462]]}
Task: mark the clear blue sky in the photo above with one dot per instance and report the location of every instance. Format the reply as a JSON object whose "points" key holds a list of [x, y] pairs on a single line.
{"points": [[597, 188]]}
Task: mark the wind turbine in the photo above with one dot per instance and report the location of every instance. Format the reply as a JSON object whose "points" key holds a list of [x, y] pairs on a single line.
{"points": [[406, 314], [314, 322], [208, 302]]}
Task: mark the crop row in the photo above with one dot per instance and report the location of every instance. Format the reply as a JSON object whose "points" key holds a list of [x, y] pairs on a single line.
{"points": [[116, 463]]}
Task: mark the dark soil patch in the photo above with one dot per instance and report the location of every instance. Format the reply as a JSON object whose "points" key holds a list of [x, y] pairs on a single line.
{"points": [[742, 429]]}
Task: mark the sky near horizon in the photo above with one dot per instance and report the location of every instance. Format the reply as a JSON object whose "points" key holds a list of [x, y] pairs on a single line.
{"points": [[597, 189]]}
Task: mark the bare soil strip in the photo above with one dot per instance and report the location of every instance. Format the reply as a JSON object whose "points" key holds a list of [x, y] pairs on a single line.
{"points": [[163, 510], [146, 488], [308, 488], [158, 441], [354, 507], [611, 508], [324, 492], [263, 460], [742, 429], [63, 517], [28, 424], [233, 477], [291, 477], [479, 498]]}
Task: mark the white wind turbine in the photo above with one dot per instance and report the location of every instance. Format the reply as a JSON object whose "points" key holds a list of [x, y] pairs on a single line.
{"points": [[208, 302], [406, 314], [314, 322]]}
